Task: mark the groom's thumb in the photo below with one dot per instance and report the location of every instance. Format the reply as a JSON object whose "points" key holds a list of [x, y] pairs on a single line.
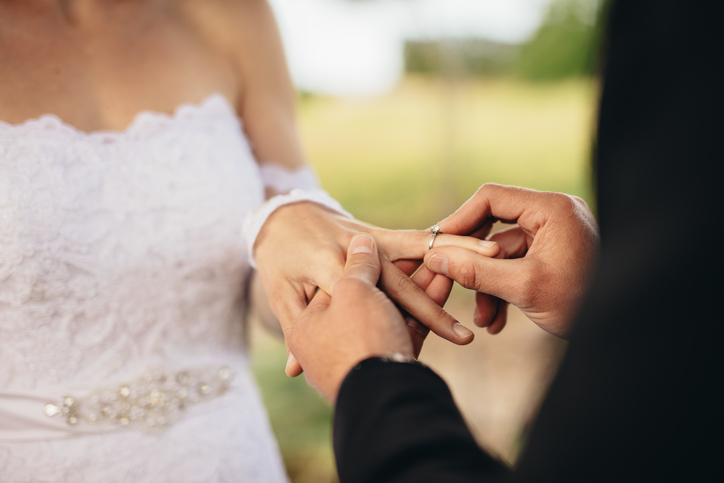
{"points": [[498, 277], [363, 262]]}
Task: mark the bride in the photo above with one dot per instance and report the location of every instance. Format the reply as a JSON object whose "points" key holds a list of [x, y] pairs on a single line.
{"points": [[136, 138]]}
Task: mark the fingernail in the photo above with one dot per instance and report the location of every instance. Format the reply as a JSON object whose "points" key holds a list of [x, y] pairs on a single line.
{"points": [[290, 358], [462, 331], [438, 263], [487, 243], [362, 243]]}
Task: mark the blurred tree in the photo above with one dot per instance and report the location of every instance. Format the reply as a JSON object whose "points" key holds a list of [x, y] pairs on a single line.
{"points": [[474, 56], [565, 45]]}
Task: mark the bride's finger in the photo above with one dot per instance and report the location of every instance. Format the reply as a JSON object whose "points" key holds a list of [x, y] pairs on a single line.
{"points": [[418, 334], [408, 266], [293, 303], [413, 299], [437, 287], [327, 270], [423, 277], [411, 244], [483, 231], [514, 242], [318, 303]]}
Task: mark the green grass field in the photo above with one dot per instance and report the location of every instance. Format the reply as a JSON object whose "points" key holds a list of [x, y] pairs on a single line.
{"points": [[406, 160]]}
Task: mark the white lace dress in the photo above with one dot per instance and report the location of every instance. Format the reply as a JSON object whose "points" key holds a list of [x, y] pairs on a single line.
{"points": [[122, 287]]}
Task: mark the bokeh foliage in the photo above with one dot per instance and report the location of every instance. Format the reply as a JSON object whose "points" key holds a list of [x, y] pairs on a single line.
{"points": [[564, 46]]}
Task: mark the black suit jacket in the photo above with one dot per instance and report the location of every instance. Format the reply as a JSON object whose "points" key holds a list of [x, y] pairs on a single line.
{"points": [[636, 397]]}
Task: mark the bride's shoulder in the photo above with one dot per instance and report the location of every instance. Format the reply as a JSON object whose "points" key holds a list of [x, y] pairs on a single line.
{"points": [[245, 30], [232, 20]]}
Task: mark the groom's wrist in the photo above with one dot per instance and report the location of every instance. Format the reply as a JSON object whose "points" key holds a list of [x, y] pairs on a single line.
{"points": [[392, 357], [380, 374], [375, 362]]}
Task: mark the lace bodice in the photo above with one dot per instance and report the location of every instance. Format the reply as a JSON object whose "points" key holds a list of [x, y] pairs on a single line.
{"points": [[122, 248], [120, 251]]}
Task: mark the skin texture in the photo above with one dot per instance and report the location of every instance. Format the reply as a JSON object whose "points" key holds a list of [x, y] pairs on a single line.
{"points": [[544, 267], [357, 322], [291, 279], [97, 63], [82, 60], [545, 262]]}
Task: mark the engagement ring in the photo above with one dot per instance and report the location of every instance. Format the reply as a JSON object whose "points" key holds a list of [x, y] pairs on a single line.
{"points": [[435, 230]]}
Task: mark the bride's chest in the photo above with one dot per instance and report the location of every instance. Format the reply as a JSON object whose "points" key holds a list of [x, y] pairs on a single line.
{"points": [[117, 248], [97, 72]]}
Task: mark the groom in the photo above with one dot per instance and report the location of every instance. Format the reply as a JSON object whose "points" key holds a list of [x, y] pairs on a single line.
{"points": [[635, 398]]}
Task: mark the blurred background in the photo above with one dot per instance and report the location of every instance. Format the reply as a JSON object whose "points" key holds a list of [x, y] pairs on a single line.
{"points": [[406, 107]]}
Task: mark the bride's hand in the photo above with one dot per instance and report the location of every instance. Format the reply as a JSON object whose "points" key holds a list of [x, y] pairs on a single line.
{"points": [[303, 246]]}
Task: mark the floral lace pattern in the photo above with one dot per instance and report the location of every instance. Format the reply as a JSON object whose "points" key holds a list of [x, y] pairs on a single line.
{"points": [[120, 251]]}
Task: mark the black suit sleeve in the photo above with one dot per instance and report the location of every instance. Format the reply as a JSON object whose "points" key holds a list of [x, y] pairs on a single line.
{"points": [[635, 398], [397, 422]]}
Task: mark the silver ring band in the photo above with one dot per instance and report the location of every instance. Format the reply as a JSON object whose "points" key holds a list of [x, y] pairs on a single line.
{"points": [[435, 230]]}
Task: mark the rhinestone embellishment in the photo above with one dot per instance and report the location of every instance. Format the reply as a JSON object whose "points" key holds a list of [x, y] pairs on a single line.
{"points": [[153, 401]]}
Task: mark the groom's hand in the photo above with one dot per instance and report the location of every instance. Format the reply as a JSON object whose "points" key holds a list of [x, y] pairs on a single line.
{"points": [[303, 246], [357, 322], [544, 264]]}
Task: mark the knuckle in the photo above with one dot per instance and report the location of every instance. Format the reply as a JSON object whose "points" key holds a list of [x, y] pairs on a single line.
{"points": [[488, 188], [467, 275], [583, 211], [478, 277], [575, 211], [564, 203], [529, 285], [362, 261], [579, 201], [422, 236], [399, 283]]}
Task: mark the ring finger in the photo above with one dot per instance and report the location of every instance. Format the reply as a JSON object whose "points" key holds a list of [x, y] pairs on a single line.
{"points": [[413, 244]]}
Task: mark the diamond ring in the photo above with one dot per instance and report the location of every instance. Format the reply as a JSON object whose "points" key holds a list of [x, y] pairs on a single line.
{"points": [[435, 230]]}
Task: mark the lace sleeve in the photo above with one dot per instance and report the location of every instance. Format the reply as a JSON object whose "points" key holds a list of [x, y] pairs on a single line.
{"points": [[283, 180], [297, 185]]}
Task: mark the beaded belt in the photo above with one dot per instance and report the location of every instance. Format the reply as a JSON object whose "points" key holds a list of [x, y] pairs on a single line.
{"points": [[150, 403]]}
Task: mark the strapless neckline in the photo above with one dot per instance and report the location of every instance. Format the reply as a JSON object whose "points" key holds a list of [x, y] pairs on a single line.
{"points": [[140, 122]]}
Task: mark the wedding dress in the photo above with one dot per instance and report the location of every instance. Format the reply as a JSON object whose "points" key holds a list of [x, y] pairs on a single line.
{"points": [[122, 300]]}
